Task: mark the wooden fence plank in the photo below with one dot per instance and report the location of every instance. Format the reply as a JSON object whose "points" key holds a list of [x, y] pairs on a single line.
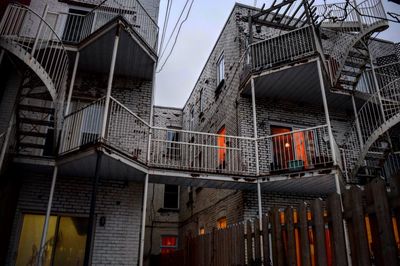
{"points": [[384, 222], [318, 219], [249, 243], [291, 249], [305, 243], [241, 245], [265, 234], [338, 240], [277, 243], [257, 243]]}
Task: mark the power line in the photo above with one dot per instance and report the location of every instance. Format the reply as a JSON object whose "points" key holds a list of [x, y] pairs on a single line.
{"points": [[176, 37], [176, 25], [167, 13]]}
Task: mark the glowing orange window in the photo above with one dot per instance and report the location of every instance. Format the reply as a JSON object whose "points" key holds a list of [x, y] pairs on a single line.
{"points": [[221, 142], [168, 244], [221, 223], [202, 231]]}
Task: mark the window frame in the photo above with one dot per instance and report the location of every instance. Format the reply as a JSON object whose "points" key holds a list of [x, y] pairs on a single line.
{"points": [[220, 70], [178, 198]]}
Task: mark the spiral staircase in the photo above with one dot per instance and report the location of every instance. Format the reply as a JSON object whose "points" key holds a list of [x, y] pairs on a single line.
{"points": [[348, 28], [27, 36]]}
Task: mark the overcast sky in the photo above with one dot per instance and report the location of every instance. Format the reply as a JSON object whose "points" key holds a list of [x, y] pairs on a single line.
{"points": [[196, 40]]}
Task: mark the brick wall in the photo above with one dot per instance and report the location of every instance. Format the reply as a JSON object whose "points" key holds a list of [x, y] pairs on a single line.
{"points": [[117, 243]]}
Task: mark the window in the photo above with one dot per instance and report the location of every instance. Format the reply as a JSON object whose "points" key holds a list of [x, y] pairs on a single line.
{"points": [[168, 244], [191, 121], [201, 101], [220, 69], [202, 231], [65, 240], [173, 150], [221, 141], [171, 197], [222, 223]]}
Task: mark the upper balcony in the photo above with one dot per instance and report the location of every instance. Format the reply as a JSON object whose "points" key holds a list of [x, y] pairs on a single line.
{"points": [[194, 158]]}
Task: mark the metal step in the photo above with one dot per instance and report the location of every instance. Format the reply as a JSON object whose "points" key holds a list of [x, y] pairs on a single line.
{"points": [[351, 73], [36, 122], [353, 64], [32, 134], [31, 145], [37, 109], [358, 55], [347, 82], [38, 95]]}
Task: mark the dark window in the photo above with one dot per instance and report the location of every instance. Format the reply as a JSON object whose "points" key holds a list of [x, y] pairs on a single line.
{"points": [[171, 197], [173, 150], [220, 69]]}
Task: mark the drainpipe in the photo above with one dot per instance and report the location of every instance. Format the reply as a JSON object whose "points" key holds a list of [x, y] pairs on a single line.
{"points": [[71, 86], [47, 218], [253, 101], [337, 182], [109, 84]]}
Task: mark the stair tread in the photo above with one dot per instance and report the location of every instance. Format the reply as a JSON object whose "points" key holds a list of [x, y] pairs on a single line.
{"points": [[353, 64], [358, 55], [36, 122], [37, 109], [31, 145], [351, 73], [32, 134], [38, 95]]}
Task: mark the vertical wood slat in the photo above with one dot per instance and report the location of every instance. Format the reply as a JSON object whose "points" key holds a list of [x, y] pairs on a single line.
{"points": [[339, 243], [347, 205], [257, 245], [355, 207], [265, 234], [241, 245], [382, 212], [318, 219], [304, 241], [291, 249], [277, 244], [249, 243]]}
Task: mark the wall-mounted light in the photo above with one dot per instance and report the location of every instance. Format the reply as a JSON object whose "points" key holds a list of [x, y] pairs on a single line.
{"points": [[287, 145]]}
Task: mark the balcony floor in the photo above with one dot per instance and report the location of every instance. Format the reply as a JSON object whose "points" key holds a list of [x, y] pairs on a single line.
{"points": [[117, 166], [299, 83]]}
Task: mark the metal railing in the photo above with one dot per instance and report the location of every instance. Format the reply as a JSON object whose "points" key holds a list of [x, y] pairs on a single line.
{"points": [[203, 152], [34, 41], [297, 150], [282, 49], [349, 23], [194, 151], [391, 166], [75, 27], [384, 74], [376, 116]]}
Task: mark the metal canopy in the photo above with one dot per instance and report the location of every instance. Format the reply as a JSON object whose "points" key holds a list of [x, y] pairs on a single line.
{"points": [[134, 58]]}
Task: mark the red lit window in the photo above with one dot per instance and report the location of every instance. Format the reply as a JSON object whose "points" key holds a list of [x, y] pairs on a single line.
{"points": [[168, 244], [221, 141], [222, 223]]}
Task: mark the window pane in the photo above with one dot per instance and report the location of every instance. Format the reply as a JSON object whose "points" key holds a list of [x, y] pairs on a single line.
{"points": [[29, 241], [71, 240], [171, 196]]}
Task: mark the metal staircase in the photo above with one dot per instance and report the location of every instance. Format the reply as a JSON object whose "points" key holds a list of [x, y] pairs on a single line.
{"points": [[347, 26], [28, 36]]}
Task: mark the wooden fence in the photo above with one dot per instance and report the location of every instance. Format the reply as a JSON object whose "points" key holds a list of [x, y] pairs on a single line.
{"points": [[308, 234]]}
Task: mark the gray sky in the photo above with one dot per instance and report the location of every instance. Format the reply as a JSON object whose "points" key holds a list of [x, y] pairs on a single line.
{"points": [[197, 38]]}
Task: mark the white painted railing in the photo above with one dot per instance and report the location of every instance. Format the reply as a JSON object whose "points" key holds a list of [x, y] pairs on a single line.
{"points": [[297, 150], [27, 35], [391, 166], [384, 74], [349, 24], [194, 151], [282, 49], [76, 27], [203, 152], [374, 118]]}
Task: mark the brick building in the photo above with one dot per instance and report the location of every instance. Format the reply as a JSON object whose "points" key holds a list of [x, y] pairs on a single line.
{"points": [[295, 101]]}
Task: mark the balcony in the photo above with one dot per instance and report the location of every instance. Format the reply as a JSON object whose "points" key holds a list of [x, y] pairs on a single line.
{"points": [[286, 49], [191, 158]]}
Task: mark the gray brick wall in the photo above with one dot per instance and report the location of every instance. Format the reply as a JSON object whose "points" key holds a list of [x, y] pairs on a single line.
{"points": [[117, 243]]}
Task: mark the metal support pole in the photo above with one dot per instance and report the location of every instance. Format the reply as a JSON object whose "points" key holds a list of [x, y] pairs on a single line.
{"points": [[46, 7], [1, 56], [47, 218], [72, 83], [109, 84], [337, 181], [357, 122], [143, 229], [255, 134], [92, 215]]}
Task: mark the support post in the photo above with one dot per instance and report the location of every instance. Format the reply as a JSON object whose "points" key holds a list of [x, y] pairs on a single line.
{"points": [[47, 217], [109, 84], [72, 83], [337, 181], [92, 215], [255, 135], [357, 122], [46, 7], [1, 56]]}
